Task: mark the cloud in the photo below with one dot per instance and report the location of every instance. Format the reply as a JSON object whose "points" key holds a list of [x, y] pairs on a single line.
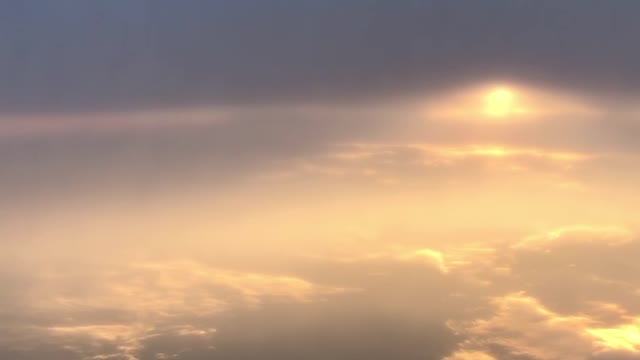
{"points": [[624, 337], [111, 314], [496, 305], [397, 163], [575, 298], [579, 265], [606, 235], [75, 56], [521, 326], [338, 330], [425, 256], [469, 355], [38, 126], [254, 316]]}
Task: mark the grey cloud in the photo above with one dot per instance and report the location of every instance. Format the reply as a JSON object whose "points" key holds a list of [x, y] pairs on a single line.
{"points": [[147, 161], [144, 162], [570, 276], [319, 332], [75, 56], [44, 352]]}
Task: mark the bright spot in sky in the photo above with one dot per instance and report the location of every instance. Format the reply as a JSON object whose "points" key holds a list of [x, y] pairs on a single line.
{"points": [[499, 102], [481, 104]]}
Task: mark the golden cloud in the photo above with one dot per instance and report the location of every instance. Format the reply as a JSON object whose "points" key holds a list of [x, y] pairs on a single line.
{"points": [[606, 235]]}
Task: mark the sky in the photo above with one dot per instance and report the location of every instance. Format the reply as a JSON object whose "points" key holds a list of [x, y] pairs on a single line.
{"points": [[258, 180]]}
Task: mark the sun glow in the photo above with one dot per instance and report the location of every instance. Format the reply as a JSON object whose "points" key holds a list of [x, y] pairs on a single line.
{"points": [[500, 103], [505, 103], [496, 103]]}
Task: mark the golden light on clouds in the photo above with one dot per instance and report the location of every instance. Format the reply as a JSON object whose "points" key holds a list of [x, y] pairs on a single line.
{"points": [[490, 221], [608, 235], [337, 180], [625, 337], [469, 355]]}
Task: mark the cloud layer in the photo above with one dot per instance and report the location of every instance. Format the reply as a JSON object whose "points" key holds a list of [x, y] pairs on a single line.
{"points": [[319, 180], [75, 56]]}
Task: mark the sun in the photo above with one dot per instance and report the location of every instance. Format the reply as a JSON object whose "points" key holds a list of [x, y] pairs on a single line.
{"points": [[500, 102], [496, 103]]}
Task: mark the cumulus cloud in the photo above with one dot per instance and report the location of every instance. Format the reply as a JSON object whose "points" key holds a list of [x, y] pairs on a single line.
{"points": [[522, 327], [570, 303]]}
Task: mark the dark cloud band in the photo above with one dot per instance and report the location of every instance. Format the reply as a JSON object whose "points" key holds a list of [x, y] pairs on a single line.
{"points": [[82, 56]]}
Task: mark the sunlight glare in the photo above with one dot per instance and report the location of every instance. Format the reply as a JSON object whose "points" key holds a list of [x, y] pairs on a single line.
{"points": [[500, 102]]}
